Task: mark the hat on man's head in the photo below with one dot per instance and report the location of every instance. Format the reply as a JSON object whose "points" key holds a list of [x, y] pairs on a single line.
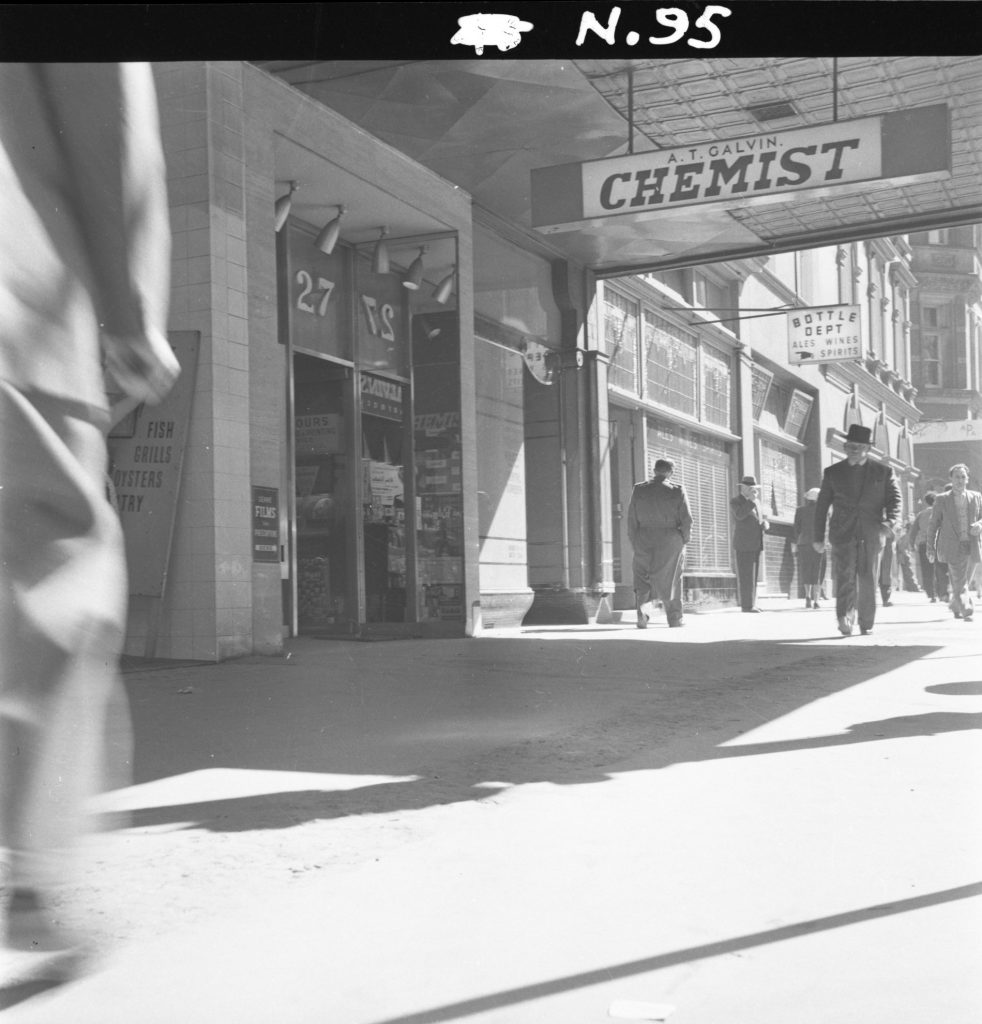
{"points": [[749, 481], [859, 435], [812, 494]]}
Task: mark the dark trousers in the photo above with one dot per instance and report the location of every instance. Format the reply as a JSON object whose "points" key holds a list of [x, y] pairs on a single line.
{"points": [[886, 570], [934, 575], [856, 566], [748, 568]]}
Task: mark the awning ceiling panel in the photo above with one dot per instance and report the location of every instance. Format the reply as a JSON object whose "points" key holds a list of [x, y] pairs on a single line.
{"points": [[484, 125]]}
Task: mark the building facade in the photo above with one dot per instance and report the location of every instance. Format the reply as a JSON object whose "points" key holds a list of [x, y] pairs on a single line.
{"points": [[946, 313], [701, 371], [401, 413]]}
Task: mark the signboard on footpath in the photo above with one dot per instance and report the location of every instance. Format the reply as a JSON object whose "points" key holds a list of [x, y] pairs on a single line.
{"points": [[824, 334], [910, 145], [146, 455]]}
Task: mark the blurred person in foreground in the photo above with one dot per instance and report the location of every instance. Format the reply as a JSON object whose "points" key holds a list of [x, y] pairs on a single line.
{"points": [[84, 279], [865, 502], [954, 538]]}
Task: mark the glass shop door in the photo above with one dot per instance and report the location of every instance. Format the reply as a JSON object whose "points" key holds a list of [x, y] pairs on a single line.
{"points": [[325, 543]]}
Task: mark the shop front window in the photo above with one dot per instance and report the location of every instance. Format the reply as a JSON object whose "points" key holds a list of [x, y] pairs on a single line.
{"points": [[439, 489], [383, 410], [779, 480], [702, 466], [620, 328], [716, 381], [671, 365]]}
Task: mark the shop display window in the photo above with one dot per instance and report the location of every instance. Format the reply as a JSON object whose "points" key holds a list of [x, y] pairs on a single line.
{"points": [[323, 490], [438, 460], [383, 497]]}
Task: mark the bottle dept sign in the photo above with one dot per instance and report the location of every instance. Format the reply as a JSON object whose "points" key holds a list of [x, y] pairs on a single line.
{"points": [[912, 144], [824, 334]]}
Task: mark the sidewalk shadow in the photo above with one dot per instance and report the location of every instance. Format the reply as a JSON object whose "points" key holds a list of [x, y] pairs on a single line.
{"points": [[494, 713], [495, 1001]]}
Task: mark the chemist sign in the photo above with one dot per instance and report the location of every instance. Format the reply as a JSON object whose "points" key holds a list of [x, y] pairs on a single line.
{"points": [[903, 146], [824, 334]]}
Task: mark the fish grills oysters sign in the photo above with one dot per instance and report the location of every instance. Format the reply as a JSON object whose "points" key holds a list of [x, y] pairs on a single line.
{"points": [[824, 334], [909, 145]]}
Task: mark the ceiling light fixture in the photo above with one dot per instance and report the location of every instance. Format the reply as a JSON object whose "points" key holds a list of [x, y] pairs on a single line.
{"points": [[445, 287], [283, 204], [380, 258], [414, 278], [328, 238]]}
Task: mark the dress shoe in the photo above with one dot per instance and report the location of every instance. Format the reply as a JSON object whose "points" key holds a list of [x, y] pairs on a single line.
{"points": [[845, 627], [676, 625], [642, 620], [865, 630]]}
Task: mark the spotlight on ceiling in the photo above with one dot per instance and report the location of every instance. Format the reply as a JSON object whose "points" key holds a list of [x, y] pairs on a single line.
{"points": [[442, 291], [283, 204], [328, 237], [380, 257], [414, 277]]}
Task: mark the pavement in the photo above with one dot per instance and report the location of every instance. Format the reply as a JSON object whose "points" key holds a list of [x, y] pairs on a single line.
{"points": [[752, 820]]}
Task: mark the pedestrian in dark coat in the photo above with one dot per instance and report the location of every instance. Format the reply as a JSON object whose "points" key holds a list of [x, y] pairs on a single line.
{"points": [[659, 524], [811, 564], [865, 502], [750, 525]]}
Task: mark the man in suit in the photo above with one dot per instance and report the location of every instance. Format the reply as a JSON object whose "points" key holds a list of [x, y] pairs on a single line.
{"points": [[658, 525], [865, 503], [934, 576], [750, 525], [953, 537]]}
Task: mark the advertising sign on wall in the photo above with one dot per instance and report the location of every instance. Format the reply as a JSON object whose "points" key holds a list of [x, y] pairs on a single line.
{"points": [[824, 334], [145, 469], [265, 524]]}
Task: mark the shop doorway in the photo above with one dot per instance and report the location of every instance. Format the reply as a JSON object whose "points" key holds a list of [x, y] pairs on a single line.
{"points": [[323, 596]]}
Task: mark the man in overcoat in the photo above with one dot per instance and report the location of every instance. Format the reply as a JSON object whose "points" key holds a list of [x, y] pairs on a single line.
{"points": [[865, 502], [749, 526], [953, 537], [658, 525]]}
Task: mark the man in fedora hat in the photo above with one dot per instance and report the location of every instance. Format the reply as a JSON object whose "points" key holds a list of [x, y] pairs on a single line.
{"points": [[865, 503], [750, 525]]}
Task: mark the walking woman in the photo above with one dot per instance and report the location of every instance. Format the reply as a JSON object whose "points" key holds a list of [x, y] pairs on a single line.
{"points": [[811, 565]]}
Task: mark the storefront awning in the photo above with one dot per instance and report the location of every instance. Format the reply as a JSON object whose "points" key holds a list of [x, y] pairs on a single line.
{"points": [[491, 127]]}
